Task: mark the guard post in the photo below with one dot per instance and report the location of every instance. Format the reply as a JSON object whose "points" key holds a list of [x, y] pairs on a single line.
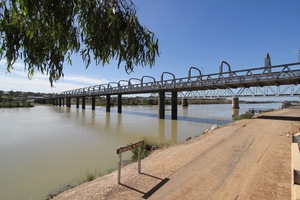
{"points": [[127, 148]]}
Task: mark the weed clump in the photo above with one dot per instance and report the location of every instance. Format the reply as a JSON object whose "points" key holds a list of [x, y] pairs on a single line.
{"points": [[145, 150]]}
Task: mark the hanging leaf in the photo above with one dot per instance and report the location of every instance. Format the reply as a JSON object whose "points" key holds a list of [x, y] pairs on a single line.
{"points": [[46, 33]]}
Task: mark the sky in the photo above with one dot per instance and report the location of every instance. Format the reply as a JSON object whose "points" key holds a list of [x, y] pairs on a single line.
{"points": [[191, 33]]}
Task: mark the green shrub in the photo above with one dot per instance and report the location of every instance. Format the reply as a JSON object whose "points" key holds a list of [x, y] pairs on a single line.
{"points": [[145, 149], [244, 116]]}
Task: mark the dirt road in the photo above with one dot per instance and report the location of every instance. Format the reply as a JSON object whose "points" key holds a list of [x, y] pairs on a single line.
{"points": [[247, 160]]}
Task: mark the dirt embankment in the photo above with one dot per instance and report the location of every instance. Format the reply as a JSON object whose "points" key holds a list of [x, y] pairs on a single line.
{"points": [[246, 160]]}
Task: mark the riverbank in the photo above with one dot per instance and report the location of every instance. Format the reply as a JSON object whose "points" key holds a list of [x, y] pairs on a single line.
{"points": [[16, 104], [246, 160]]}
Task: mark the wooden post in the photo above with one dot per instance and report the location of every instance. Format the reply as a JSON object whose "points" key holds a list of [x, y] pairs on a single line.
{"points": [[120, 166], [139, 159]]}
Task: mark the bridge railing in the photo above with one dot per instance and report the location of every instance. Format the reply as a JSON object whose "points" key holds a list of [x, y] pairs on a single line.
{"points": [[272, 73]]}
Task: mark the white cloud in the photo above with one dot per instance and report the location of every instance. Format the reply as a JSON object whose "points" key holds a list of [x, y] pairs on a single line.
{"points": [[16, 65], [8, 82], [83, 79], [17, 80]]}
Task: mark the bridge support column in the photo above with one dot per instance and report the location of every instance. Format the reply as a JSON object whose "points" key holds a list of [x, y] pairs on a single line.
{"points": [[235, 114], [174, 105], [77, 102], [59, 102], [93, 102], [119, 103], [108, 103], [69, 102], [83, 102], [161, 105], [235, 103], [185, 102]]}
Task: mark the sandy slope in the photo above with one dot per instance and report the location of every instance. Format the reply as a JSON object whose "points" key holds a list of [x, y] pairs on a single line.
{"points": [[246, 160]]}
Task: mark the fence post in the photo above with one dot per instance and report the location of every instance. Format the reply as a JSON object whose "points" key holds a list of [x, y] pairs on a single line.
{"points": [[139, 159], [120, 166]]}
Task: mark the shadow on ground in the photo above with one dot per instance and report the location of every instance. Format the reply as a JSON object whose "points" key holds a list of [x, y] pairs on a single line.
{"points": [[287, 118], [146, 195]]}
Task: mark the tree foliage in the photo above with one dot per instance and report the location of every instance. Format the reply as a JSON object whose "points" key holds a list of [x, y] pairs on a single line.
{"points": [[45, 33]]}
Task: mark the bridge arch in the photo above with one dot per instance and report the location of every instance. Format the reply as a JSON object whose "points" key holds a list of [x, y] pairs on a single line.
{"points": [[221, 66], [162, 76], [73, 91], [94, 87], [142, 80], [86, 89], [102, 86], [134, 79], [91, 89], [120, 81], [77, 91], [109, 85], [195, 68]]}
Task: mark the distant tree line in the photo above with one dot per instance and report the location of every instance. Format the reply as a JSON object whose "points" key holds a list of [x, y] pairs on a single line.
{"points": [[16, 99]]}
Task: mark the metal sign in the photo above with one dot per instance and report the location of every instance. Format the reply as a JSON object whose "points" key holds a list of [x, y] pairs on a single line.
{"points": [[129, 147]]}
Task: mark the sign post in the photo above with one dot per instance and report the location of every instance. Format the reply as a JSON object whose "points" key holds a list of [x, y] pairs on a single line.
{"points": [[127, 148]]}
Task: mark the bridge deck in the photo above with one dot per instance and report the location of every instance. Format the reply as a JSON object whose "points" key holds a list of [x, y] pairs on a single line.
{"points": [[286, 74]]}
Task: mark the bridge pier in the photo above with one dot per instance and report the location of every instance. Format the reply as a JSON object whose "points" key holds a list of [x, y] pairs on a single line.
{"points": [[174, 105], [108, 103], [235, 103], [93, 102], [77, 102], [83, 102], [185, 102], [235, 113], [69, 102], [161, 105], [59, 102], [119, 103]]}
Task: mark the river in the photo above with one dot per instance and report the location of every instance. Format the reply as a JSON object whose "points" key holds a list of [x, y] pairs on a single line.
{"points": [[44, 148]]}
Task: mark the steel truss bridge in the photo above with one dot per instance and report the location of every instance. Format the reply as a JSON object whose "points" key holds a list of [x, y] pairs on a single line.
{"points": [[279, 80], [265, 91]]}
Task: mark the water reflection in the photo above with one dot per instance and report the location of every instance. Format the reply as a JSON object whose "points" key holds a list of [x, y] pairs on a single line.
{"points": [[174, 131], [119, 122], [161, 130]]}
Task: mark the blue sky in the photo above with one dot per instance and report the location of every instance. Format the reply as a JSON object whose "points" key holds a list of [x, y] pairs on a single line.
{"points": [[198, 33]]}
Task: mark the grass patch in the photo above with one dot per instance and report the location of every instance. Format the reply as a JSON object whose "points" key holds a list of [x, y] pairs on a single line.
{"points": [[145, 150], [244, 116], [90, 175], [87, 176]]}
